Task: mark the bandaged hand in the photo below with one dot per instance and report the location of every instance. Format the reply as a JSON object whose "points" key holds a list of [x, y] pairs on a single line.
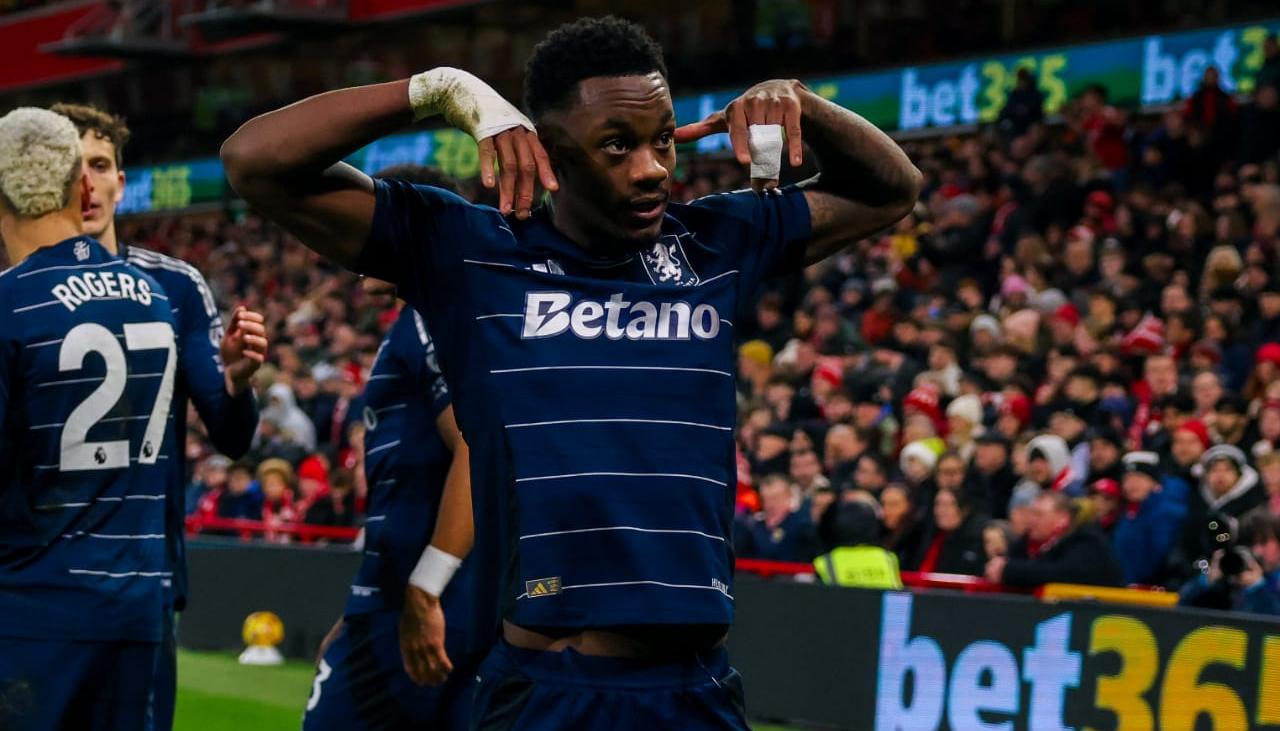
{"points": [[503, 133], [761, 124]]}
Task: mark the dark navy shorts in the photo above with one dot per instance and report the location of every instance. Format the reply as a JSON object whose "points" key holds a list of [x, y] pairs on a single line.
{"points": [[536, 691], [48, 685], [361, 684]]}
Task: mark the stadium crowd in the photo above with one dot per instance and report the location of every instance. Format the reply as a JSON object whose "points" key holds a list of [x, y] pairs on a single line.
{"points": [[1063, 366]]}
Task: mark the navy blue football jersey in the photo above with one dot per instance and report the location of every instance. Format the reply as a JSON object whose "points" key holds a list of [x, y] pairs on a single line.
{"points": [[230, 422], [87, 365], [596, 393], [405, 464]]}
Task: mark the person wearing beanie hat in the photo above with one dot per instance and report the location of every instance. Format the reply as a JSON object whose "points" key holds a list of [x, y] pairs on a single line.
{"points": [[966, 409], [1015, 288], [917, 460], [1143, 463], [1106, 448], [964, 423], [1146, 338], [827, 378], [1049, 301], [924, 399], [1063, 324], [1105, 496], [313, 483], [1189, 442], [1013, 414], [985, 334], [1268, 353], [1205, 355], [1149, 523], [755, 367]]}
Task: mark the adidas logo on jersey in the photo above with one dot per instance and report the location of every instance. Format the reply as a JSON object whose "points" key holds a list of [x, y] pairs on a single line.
{"points": [[547, 314], [543, 587]]}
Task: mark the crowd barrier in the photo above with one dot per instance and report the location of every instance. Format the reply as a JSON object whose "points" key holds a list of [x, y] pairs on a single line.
{"points": [[860, 659], [248, 529]]}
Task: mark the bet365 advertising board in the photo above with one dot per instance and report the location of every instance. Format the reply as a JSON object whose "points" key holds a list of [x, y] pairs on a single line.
{"points": [[898, 661], [1139, 72]]}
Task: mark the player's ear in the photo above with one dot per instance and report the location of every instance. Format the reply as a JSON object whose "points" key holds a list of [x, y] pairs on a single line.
{"points": [[120, 187]]}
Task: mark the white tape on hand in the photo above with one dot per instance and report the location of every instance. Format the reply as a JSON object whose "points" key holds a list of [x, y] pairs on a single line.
{"points": [[466, 102], [434, 570], [765, 143]]}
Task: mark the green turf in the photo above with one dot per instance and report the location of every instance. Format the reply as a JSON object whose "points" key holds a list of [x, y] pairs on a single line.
{"points": [[216, 693]]}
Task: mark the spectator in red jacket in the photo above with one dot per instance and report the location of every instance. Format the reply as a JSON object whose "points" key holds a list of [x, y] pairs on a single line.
{"points": [[1103, 126]]}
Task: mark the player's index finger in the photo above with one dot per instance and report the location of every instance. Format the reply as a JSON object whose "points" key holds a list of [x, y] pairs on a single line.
{"points": [[525, 176], [507, 174], [544, 163], [697, 130], [738, 134]]}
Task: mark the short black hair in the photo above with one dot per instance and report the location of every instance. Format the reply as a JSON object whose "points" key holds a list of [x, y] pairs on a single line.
{"points": [[584, 49], [419, 175]]}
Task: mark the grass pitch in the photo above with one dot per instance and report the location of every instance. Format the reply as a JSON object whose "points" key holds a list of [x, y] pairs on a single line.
{"points": [[217, 693]]}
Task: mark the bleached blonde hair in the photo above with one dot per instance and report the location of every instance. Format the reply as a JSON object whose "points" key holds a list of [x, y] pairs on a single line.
{"points": [[39, 161]]}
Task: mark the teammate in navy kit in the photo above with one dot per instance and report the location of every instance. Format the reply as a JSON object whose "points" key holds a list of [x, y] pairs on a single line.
{"points": [[214, 366], [87, 366], [588, 343], [370, 676]]}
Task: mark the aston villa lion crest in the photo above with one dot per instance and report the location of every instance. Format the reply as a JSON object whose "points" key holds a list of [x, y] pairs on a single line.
{"points": [[667, 264]]}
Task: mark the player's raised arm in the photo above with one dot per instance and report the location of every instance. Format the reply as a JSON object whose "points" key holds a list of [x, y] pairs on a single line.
{"points": [[866, 182], [287, 163]]}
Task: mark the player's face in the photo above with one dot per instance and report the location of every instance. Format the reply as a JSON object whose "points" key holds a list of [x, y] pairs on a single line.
{"points": [[106, 179], [613, 150]]}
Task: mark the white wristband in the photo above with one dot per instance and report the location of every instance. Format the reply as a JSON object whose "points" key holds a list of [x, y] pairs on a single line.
{"points": [[434, 570], [466, 102], [765, 143]]}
